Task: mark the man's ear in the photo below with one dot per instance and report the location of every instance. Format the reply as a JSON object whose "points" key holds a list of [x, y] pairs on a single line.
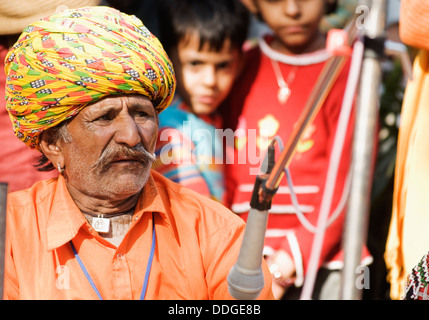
{"points": [[51, 148]]}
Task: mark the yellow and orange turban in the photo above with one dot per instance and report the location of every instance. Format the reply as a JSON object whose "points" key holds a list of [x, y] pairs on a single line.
{"points": [[65, 61]]}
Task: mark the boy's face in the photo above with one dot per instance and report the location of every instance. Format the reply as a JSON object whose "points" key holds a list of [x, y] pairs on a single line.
{"points": [[295, 22], [204, 77]]}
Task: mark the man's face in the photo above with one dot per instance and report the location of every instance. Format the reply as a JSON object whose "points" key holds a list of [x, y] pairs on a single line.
{"points": [[104, 158]]}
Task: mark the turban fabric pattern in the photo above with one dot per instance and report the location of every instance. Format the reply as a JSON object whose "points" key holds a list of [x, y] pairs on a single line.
{"points": [[63, 62]]}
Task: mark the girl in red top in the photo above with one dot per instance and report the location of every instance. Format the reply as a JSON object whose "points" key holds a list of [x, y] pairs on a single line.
{"points": [[269, 98]]}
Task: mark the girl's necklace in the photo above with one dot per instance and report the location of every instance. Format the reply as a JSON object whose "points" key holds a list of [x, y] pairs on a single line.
{"points": [[284, 90]]}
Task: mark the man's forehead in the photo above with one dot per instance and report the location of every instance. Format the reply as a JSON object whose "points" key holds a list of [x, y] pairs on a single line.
{"points": [[120, 100]]}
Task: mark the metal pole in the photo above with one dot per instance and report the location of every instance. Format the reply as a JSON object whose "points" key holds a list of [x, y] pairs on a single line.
{"points": [[3, 198], [356, 222]]}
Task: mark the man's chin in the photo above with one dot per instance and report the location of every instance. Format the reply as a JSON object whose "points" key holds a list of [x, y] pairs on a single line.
{"points": [[128, 180]]}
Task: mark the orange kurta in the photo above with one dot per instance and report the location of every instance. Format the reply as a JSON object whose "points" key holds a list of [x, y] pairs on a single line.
{"points": [[197, 243]]}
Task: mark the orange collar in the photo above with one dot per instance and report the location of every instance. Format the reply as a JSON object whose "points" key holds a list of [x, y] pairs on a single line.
{"points": [[65, 218]]}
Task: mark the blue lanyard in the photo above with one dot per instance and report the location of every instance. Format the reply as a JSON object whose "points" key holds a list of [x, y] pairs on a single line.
{"points": [[148, 267]]}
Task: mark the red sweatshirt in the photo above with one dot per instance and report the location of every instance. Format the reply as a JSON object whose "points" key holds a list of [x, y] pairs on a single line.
{"points": [[257, 116]]}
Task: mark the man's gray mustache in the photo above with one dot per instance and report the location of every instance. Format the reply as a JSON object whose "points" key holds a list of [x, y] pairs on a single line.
{"points": [[138, 153]]}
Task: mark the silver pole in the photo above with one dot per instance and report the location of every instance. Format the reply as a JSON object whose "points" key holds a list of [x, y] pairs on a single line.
{"points": [[3, 198], [356, 221]]}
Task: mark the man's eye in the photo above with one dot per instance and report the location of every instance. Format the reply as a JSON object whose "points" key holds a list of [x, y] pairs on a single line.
{"points": [[142, 114], [105, 117]]}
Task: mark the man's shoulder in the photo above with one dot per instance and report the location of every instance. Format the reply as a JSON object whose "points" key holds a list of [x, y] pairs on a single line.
{"points": [[30, 207], [191, 203], [33, 195]]}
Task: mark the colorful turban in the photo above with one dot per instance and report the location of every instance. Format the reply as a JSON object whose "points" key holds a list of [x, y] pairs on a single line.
{"points": [[65, 61]]}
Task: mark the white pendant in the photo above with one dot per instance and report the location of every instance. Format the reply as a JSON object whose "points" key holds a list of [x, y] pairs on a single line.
{"points": [[283, 94], [101, 224]]}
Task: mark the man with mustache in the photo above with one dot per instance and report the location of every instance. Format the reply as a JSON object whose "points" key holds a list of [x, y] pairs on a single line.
{"points": [[85, 87]]}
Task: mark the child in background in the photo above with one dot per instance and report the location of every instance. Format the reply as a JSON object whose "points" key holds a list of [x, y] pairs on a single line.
{"points": [[269, 97], [203, 39]]}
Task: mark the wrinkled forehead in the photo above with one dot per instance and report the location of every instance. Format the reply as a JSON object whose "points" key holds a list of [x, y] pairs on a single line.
{"points": [[129, 101]]}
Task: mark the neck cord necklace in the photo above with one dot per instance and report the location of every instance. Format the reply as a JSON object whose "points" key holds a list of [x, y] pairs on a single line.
{"points": [[148, 267], [101, 223], [109, 215], [284, 90]]}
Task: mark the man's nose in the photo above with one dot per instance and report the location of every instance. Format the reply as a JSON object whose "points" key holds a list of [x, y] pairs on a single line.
{"points": [[127, 131]]}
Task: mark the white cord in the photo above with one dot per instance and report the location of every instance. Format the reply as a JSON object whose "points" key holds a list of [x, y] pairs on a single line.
{"points": [[301, 217], [352, 81]]}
